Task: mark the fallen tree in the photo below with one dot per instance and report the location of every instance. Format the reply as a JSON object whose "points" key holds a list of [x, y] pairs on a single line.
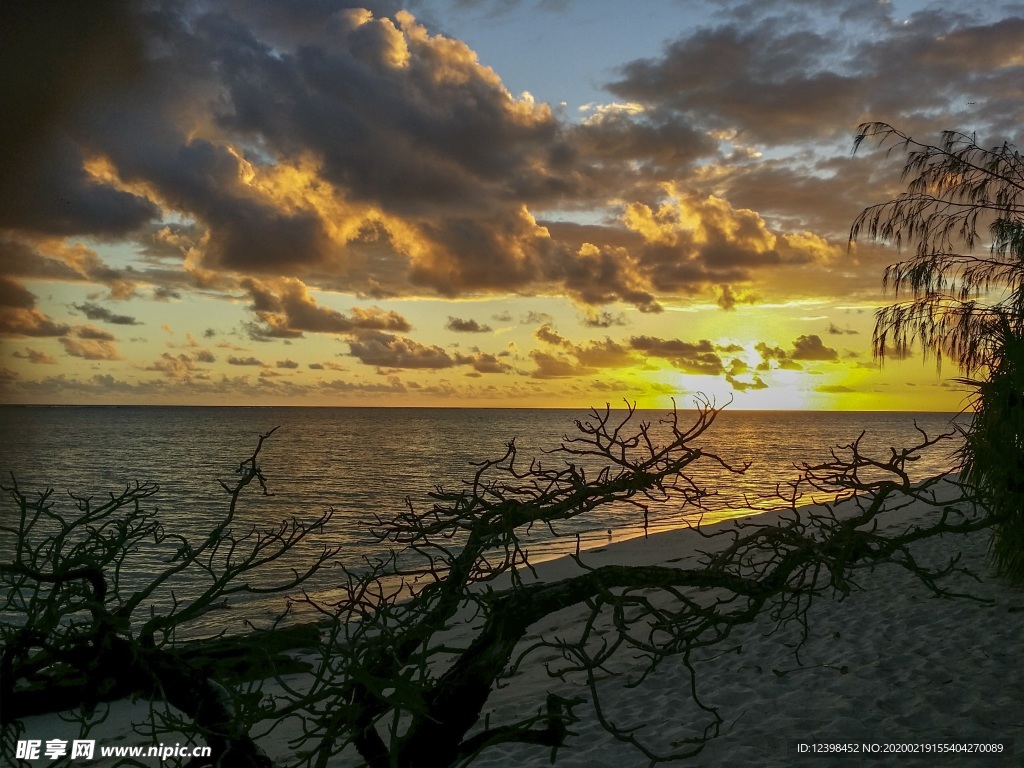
{"points": [[414, 644], [407, 692]]}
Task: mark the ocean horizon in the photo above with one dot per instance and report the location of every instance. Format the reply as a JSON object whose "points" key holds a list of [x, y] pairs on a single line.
{"points": [[370, 462]]}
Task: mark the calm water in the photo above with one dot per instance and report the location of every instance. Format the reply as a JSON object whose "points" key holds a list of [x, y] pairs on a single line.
{"points": [[363, 462]]}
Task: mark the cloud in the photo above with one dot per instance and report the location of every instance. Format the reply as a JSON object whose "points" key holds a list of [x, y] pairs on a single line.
{"points": [[603, 319], [389, 162], [741, 379], [285, 310], [19, 315], [34, 356], [833, 389], [761, 77], [289, 364], [97, 312], [466, 326], [533, 317], [778, 355], [598, 275], [386, 350], [393, 385], [92, 332], [55, 64], [90, 343], [482, 362], [811, 348], [807, 348], [287, 157], [690, 242], [728, 298], [235, 360], [555, 366], [699, 358], [180, 366]]}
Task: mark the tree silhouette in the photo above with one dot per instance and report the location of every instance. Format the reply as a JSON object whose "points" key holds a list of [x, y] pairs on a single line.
{"points": [[411, 648], [426, 644], [964, 302], [80, 631]]}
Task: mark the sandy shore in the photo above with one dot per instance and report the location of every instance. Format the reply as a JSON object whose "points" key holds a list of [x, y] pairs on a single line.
{"points": [[891, 664]]}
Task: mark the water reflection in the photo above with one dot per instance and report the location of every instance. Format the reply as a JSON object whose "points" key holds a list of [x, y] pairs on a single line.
{"points": [[363, 463]]}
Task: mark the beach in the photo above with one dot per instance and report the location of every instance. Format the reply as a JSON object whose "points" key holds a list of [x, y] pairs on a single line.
{"points": [[890, 665]]}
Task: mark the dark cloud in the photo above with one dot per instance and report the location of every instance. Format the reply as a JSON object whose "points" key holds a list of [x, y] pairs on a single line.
{"points": [[807, 348], [699, 358], [604, 319], [811, 348], [97, 312], [728, 298], [289, 364], [602, 275], [286, 310], [34, 356], [782, 79], [25, 258], [465, 326], [360, 149], [165, 293], [556, 366], [482, 362], [781, 357], [234, 360], [684, 244], [56, 59], [750, 381], [19, 315], [91, 332], [578, 359], [90, 343], [180, 366], [765, 79], [15, 295], [393, 385], [631, 148], [385, 350]]}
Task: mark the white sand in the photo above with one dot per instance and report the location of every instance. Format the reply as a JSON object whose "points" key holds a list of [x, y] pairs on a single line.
{"points": [[918, 670]]}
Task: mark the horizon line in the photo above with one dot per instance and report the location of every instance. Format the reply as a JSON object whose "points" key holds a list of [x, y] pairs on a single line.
{"points": [[466, 407]]}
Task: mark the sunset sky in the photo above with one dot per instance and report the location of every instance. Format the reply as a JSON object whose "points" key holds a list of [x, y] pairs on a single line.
{"points": [[532, 203]]}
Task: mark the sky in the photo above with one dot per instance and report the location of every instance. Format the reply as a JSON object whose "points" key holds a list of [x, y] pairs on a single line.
{"points": [[471, 203]]}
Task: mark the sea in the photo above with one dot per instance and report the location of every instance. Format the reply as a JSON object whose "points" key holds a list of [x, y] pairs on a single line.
{"points": [[367, 464]]}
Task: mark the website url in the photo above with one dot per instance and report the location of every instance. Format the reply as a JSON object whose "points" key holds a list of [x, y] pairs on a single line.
{"points": [[162, 752], [85, 749]]}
